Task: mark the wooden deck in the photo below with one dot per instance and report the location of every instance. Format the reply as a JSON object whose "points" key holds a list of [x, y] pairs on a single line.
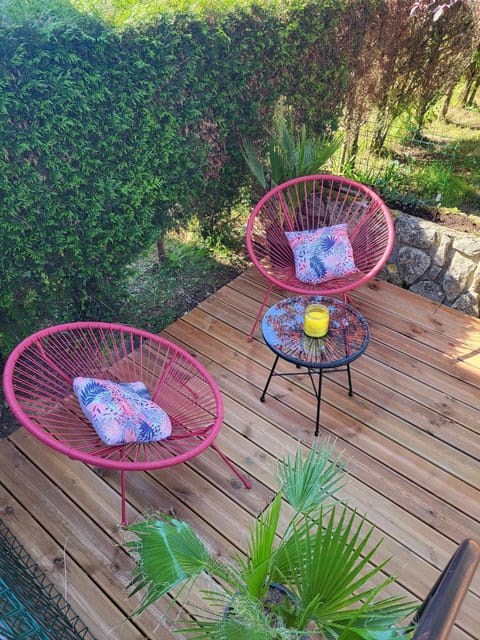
{"points": [[411, 432]]}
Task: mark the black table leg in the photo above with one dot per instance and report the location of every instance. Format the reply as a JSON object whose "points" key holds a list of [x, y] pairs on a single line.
{"points": [[262, 397], [350, 388], [317, 388], [319, 399]]}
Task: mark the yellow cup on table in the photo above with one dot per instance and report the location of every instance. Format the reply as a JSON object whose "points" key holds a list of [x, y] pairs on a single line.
{"points": [[316, 320]]}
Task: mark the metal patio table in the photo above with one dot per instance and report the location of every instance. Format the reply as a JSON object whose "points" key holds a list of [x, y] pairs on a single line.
{"points": [[346, 340]]}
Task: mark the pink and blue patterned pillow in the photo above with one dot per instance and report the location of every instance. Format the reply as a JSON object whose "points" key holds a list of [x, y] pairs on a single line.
{"points": [[121, 412], [322, 254]]}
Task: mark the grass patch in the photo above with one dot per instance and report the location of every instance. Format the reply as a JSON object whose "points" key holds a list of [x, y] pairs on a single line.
{"points": [[462, 190], [439, 165], [159, 292]]}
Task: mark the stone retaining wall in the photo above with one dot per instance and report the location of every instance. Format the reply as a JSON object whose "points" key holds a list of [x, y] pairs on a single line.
{"points": [[436, 262]]}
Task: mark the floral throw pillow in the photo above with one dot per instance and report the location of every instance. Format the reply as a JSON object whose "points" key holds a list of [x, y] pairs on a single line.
{"points": [[121, 412], [322, 254]]}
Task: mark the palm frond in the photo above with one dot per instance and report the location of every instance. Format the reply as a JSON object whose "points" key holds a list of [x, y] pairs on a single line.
{"points": [[169, 553], [324, 557], [289, 154], [330, 578], [310, 483], [253, 163], [256, 568], [242, 619]]}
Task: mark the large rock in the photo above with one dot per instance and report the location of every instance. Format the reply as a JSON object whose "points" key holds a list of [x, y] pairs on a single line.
{"points": [[412, 264], [415, 231], [456, 278], [468, 245], [437, 262], [428, 289], [468, 303]]}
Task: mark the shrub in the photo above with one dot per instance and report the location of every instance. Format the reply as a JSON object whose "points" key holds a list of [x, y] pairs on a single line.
{"points": [[111, 136]]}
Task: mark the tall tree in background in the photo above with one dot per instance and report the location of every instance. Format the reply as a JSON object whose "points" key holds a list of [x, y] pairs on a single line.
{"points": [[446, 55], [472, 80], [407, 61]]}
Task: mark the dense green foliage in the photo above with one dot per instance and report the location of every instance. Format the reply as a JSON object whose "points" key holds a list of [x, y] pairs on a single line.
{"points": [[112, 136]]}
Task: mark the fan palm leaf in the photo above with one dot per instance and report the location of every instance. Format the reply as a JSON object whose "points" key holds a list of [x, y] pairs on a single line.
{"points": [[289, 154], [170, 554], [309, 483], [322, 554], [253, 163], [257, 567], [325, 563]]}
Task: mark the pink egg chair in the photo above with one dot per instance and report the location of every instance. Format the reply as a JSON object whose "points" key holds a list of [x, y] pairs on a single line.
{"points": [[308, 204], [38, 379]]}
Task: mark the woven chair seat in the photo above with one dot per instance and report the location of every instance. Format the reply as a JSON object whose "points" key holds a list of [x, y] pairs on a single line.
{"points": [[314, 202], [38, 384]]}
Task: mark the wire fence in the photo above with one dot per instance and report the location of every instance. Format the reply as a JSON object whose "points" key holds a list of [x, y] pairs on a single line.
{"points": [[402, 160]]}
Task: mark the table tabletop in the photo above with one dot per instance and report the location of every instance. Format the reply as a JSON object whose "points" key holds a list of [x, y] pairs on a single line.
{"points": [[346, 340]]}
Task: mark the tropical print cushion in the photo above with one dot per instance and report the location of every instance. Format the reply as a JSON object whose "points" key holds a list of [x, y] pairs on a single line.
{"points": [[121, 412], [322, 254]]}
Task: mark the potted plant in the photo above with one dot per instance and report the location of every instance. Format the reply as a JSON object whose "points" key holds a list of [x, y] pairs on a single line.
{"points": [[313, 577]]}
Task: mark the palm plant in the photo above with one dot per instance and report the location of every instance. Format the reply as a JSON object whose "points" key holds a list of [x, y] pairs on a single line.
{"points": [[314, 578], [290, 154]]}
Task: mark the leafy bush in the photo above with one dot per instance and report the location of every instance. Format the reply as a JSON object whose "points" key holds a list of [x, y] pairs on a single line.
{"points": [[112, 136], [80, 172], [121, 120]]}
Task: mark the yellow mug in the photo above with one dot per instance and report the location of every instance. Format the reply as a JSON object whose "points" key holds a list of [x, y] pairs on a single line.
{"points": [[316, 320]]}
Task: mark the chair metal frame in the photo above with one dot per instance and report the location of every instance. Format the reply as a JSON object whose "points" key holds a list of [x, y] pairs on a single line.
{"points": [[312, 202], [437, 614], [38, 379]]}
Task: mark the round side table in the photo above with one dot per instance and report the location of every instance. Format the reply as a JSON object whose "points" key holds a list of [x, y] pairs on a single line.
{"points": [[346, 340]]}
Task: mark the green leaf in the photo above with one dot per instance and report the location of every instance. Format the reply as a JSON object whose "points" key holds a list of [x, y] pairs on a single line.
{"points": [[309, 483], [169, 553], [256, 568]]}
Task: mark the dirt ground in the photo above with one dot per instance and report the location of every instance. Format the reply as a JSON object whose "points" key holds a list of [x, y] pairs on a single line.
{"points": [[458, 221], [8, 424]]}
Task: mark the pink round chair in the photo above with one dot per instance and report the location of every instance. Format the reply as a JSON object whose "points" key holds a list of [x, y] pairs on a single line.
{"points": [[310, 203], [38, 379]]}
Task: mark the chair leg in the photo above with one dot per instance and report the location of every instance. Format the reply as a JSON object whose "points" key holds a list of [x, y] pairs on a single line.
{"points": [[247, 484], [264, 302], [124, 497]]}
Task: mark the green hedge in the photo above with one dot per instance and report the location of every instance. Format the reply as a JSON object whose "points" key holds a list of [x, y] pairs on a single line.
{"points": [[110, 136]]}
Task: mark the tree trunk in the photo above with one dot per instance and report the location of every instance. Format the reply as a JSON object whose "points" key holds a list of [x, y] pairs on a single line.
{"points": [[161, 253], [350, 149], [446, 102], [379, 133], [421, 113], [354, 147], [473, 92]]}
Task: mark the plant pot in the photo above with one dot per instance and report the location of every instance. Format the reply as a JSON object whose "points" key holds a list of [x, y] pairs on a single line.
{"points": [[277, 594]]}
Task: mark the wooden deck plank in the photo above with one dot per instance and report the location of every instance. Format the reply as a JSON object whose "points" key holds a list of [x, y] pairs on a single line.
{"points": [[426, 321], [202, 342], [411, 433], [75, 553], [365, 413]]}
